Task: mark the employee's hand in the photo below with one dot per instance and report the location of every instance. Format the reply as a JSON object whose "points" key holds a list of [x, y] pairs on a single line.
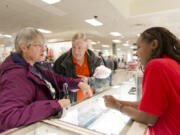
{"points": [[64, 103], [111, 102], [83, 78]]}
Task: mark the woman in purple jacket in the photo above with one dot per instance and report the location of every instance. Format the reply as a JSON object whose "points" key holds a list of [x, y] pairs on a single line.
{"points": [[26, 94]]}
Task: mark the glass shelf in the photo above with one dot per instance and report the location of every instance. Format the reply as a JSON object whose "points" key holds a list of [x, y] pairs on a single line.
{"points": [[93, 114]]}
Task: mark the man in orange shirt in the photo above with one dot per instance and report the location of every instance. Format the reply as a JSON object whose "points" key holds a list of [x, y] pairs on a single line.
{"points": [[79, 61]]}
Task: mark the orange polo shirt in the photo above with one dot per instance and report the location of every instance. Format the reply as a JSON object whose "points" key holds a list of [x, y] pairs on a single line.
{"points": [[82, 70]]}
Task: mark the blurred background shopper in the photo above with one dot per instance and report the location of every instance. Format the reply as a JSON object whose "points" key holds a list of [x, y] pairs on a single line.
{"points": [[110, 65]]}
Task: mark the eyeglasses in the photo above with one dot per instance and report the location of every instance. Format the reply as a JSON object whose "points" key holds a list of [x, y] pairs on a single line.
{"points": [[40, 46]]}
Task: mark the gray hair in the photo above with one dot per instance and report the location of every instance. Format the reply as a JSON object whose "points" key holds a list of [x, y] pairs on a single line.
{"points": [[80, 36], [26, 36]]}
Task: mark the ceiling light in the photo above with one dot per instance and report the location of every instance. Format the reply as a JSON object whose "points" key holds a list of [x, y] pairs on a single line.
{"points": [[138, 34], [133, 47], [51, 1], [93, 43], [135, 57], [8, 36], [116, 34], [125, 44], [5, 36], [54, 40], [44, 31], [116, 41], [107, 46], [94, 21]]}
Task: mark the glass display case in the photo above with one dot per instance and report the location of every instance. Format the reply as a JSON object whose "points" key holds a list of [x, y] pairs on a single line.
{"points": [[89, 117], [94, 115], [50, 128]]}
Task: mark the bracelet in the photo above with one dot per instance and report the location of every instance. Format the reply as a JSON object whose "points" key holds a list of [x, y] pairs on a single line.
{"points": [[121, 108]]}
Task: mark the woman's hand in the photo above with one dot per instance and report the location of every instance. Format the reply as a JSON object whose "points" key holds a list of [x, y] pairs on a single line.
{"points": [[111, 102], [64, 103]]}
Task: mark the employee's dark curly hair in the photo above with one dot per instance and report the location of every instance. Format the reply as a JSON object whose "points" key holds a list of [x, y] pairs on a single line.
{"points": [[168, 43]]}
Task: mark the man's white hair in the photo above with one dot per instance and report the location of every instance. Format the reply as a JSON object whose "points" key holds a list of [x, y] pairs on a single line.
{"points": [[80, 36]]}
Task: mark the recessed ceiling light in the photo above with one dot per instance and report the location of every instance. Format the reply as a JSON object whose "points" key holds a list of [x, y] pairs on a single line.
{"points": [[116, 41], [93, 43], [94, 22], [5, 36], [8, 36], [125, 44], [135, 57], [116, 34], [44, 31], [133, 47], [107, 46], [54, 40], [138, 34], [51, 1]]}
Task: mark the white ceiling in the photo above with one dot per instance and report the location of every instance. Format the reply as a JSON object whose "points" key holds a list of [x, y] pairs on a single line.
{"points": [[129, 17]]}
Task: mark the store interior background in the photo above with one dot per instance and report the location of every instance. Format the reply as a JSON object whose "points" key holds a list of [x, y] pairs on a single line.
{"points": [[67, 17], [64, 19]]}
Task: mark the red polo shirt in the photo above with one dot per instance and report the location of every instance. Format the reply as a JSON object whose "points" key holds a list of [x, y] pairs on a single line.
{"points": [[161, 95]]}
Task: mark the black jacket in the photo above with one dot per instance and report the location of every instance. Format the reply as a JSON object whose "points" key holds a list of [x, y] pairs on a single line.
{"points": [[64, 65]]}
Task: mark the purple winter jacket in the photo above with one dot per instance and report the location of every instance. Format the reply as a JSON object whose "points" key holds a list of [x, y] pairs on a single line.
{"points": [[24, 97]]}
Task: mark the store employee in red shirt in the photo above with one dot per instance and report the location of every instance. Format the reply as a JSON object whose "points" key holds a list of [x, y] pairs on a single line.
{"points": [[159, 108]]}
